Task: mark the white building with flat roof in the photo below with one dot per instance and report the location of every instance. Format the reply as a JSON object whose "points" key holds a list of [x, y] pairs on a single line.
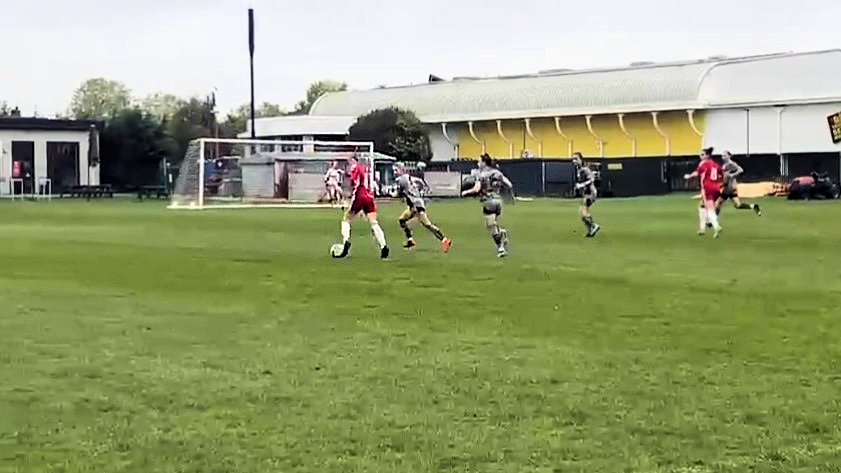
{"points": [[34, 151]]}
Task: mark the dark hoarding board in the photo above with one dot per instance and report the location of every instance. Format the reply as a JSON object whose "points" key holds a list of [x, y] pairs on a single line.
{"points": [[835, 127]]}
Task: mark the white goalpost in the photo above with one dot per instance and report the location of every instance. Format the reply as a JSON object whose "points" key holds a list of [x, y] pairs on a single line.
{"points": [[221, 173]]}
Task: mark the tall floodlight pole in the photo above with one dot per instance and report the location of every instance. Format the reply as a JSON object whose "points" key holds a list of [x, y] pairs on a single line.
{"points": [[251, 60], [215, 121]]}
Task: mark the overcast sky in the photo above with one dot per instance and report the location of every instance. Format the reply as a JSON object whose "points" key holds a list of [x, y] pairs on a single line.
{"points": [[187, 47]]}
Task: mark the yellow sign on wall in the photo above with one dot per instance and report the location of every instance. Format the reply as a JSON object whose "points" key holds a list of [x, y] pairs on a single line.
{"points": [[835, 127]]}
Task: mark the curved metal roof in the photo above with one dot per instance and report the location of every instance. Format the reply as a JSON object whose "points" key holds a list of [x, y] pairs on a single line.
{"points": [[641, 87], [299, 125]]}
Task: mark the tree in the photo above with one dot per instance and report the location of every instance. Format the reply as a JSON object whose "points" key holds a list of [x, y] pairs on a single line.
{"points": [[237, 121], [6, 111], [161, 105], [97, 99], [194, 119], [395, 132], [316, 90], [267, 109], [133, 144]]}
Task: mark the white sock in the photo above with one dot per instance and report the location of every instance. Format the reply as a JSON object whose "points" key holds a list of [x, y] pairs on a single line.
{"points": [[702, 219], [713, 218], [378, 234], [345, 230]]}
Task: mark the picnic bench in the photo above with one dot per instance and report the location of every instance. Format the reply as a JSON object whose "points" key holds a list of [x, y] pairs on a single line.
{"points": [[103, 190], [149, 191]]}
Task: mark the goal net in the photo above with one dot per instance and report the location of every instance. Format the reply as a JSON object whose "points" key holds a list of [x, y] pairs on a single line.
{"points": [[238, 173]]}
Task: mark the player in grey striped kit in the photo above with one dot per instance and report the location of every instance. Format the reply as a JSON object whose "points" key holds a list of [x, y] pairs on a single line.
{"points": [[731, 186], [409, 188], [489, 185], [586, 183]]}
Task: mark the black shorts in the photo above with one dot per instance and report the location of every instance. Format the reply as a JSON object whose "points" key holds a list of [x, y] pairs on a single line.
{"points": [[727, 194]]}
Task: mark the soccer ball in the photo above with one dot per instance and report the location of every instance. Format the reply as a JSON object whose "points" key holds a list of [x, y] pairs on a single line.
{"points": [[336, 250]]}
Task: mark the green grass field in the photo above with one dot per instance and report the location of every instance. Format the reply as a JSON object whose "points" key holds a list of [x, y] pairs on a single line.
{"points": [[136, 339]]}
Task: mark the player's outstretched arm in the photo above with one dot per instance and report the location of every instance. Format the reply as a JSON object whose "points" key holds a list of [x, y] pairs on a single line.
{"points": [[476, 187], [690, 175], [507, 183], [590, 180], [420, 183]]}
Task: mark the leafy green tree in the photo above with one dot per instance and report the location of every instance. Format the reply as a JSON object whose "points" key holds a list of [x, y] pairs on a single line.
{"points": [[268, 109], [194, 119], [6, 111], [394, 132], [161, 105], [316, 90], [97, 99], [236, 122], [133, 143]]}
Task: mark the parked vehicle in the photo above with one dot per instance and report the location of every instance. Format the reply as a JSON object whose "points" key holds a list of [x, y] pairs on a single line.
{"points": [[814, 186]]}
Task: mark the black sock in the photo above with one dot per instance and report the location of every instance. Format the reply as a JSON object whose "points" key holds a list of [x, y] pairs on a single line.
{"points": [[435, 231], [588, 222], [406, 229], [744, 206], [497, 238]]}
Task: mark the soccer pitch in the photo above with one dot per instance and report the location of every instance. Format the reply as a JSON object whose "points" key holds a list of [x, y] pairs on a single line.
{"points": [[136, 339]]}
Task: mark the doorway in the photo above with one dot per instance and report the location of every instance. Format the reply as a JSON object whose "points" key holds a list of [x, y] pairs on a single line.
{"points": [[63, 165], [23, 166]]}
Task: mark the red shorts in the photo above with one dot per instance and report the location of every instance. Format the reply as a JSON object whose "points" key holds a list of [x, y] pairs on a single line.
{"points": [[712, 193], [363, 203]]}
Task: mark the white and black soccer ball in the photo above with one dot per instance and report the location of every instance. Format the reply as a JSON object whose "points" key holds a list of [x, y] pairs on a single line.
{"points": [[336, 250]]}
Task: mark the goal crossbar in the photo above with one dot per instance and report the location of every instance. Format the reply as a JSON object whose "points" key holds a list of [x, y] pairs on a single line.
{"points": [[245, 141], [256, 206]]}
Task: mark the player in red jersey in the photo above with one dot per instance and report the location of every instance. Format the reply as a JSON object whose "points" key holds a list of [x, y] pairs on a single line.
{"points": [[361, 200], [711, 175]]}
